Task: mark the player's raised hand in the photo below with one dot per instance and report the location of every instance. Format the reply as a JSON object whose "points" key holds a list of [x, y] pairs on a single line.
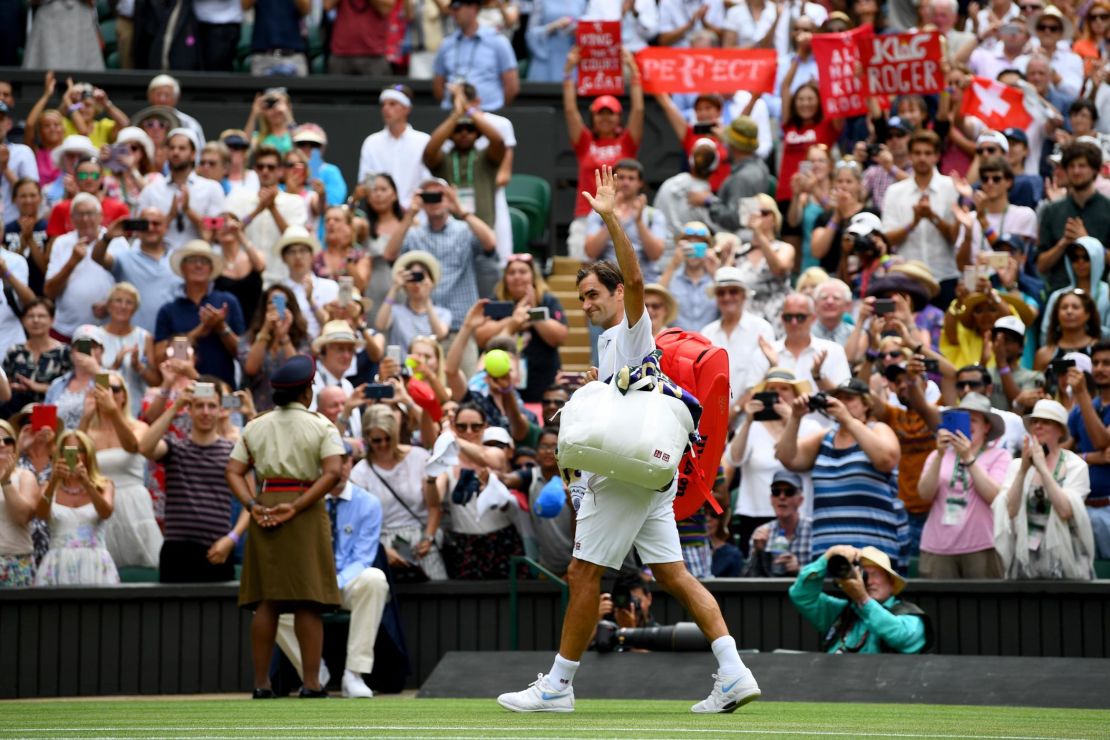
{"points": [[605, 199]]}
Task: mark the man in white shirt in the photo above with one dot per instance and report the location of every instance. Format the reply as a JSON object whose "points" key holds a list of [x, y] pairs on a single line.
{"points": [[612, 516], [13, 275], [335, 350], [639, 19], [398, 149], [918, 219], [738, 331], [267, 213], [185, 197], [296, 249], [821, 362], [679, 18], [16, 161], [79, 286]]}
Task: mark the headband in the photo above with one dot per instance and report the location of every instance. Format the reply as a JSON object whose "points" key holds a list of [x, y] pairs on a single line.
{"points": [[396, 96]]}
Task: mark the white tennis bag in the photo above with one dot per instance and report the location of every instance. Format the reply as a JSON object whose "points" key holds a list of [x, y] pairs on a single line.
{"points": [[636, 437]]}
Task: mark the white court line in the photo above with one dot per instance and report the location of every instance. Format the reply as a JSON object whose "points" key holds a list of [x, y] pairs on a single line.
{"points": [[621, 731]]}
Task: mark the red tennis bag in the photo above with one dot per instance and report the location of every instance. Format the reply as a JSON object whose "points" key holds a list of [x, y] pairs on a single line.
{"points": [[701, 368]]}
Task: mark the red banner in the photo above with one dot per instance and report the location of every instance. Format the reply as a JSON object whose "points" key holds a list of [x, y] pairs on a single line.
{"points": [[902, 63], [841, 81], [669, 70], [599, 68]]}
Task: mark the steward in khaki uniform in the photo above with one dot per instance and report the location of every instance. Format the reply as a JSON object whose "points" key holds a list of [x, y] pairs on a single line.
{"points": [[288, 564]]}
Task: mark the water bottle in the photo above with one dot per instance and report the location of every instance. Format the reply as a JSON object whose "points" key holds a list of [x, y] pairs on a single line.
{"points": [[778, 545]]}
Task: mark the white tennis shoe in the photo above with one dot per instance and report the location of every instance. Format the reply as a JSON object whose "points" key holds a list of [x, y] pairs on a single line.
{"points": [[729, 694], [539, 697]]}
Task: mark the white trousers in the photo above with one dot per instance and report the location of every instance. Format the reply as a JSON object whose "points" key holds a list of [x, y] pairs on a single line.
{"points": [[365, 597]]}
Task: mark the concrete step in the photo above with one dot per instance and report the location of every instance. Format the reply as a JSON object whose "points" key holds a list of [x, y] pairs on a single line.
{"points": [[562, 283], [565, 266], [574, 355], [576, 318]]}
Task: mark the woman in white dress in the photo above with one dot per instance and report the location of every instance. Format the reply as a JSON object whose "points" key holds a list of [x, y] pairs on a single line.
{"points": [[132, 534], [129, 348], [77, 502]]}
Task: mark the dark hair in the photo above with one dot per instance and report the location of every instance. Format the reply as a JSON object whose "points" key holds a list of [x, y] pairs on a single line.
{"points": [[471, 406], [267, 151], [44, 302], [548, 431], [606, 272], [1082, 150], [556, 388], [629, 164], [403, 89], [298, 330], [469, 92], [25, 181], [984, 374], [925, 136], [796, 120], [1093, 328], [87, 160], [997, 164], [1083, 104], [216, 383], [1103, 346], [371, 214], [286, 396]]}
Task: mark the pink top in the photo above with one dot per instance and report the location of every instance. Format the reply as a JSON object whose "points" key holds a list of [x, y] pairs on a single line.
{"points": [[48, 173], [960, 520]]}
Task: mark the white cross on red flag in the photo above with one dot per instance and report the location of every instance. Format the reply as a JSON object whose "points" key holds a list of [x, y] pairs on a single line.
{"points": [[997, 105]]}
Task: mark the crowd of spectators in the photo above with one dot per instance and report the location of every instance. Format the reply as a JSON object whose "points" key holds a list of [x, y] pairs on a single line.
{"points": [[919, 362]]}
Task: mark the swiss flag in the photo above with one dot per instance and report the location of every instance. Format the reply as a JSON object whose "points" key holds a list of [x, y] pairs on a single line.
{"points": [[998, 106]]}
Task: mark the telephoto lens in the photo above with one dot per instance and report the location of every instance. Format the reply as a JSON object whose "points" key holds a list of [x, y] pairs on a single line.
{"points": [[838, 567], [684, 637]]}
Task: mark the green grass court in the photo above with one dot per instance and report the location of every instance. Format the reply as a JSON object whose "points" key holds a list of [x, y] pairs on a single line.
{"points": [[479, 718]]}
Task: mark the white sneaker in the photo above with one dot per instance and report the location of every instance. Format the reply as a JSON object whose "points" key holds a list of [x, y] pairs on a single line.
{"points": [[729, 694], [354, 687], [539, 697]]}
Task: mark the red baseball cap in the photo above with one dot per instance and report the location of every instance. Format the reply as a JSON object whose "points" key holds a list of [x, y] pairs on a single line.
{"points": [[606, 101]]}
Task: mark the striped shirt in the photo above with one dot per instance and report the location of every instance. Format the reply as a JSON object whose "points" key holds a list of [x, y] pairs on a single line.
{"points": [[198, 501], [855, 504]]}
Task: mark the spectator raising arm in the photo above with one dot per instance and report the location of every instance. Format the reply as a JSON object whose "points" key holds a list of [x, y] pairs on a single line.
{"points": [[152, 445]]}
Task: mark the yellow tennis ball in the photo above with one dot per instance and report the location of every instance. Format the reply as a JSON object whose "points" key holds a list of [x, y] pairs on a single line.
{"points": [[497, 362]]}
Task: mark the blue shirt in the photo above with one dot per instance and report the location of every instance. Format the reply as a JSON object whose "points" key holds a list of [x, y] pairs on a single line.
{"points": [[695, 306], [154, 279], [181, 315], [358, 520], [1100, 474], [480, 60], [277, 25]]}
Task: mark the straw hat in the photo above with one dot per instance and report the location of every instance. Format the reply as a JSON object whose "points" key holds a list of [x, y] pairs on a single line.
{"points": [[420, 257], [197, 248], [782, 375], [919, 272], [672, 304], [334, 332], [1024, 311], [167, 114], [297, 235], [1049, 410], [1053, 12], [878, 558]]}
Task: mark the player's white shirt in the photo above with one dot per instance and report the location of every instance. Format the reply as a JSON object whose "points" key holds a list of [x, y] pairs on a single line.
{"points": [[622, 345]]}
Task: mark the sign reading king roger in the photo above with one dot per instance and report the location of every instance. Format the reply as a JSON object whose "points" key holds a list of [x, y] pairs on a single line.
{"points": [[599, 65], [902, 63]]}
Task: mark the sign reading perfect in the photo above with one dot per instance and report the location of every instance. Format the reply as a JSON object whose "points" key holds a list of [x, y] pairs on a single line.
{"points": [[668, 70], [599, 67], [902, 63]]}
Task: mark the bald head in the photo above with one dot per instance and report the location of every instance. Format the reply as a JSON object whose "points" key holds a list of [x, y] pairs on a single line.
{"points": [[329, 402]]}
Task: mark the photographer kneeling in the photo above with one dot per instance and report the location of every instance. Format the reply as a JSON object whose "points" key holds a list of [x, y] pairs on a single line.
{"points": [[871, 619]]}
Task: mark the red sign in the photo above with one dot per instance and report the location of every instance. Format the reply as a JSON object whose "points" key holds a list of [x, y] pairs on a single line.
{"points": [[599, 68], [998, 106], [669, 70], [902, 63], [841, 81]]}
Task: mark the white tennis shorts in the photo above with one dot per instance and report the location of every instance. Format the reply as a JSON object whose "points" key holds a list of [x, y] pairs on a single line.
{"points": [[614, 516]]}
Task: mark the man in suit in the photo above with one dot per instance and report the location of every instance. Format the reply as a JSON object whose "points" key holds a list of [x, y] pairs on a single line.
{"points": [[356, 523]]}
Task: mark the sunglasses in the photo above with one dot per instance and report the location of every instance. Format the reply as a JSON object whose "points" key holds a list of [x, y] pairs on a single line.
{"points": [[988, 150], [1098, 16], [654, 306], [308, 145], [135, 147], [784, 491], [1049, 29], [523, 257], [466, 129], [88, 175], [474, 427], [729, 291], [7, 442], [210, 163], [154, 123], [295, 165], [116, 388], [897, 133], [1079, 256], [795, 318], [379, 440], [993, 178], [892, 355], [553, 402], [267, 167], [969, 384]]}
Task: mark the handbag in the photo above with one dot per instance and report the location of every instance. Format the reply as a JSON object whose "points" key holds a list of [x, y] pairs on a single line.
{"points": [[636, 436], [414, 573]]}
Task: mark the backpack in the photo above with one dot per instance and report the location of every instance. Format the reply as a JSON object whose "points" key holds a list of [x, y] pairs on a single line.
{"points": [[701, 369]]}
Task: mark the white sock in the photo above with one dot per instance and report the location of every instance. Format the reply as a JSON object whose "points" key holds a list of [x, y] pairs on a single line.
{"points": [[728, 660], [562, 673]]}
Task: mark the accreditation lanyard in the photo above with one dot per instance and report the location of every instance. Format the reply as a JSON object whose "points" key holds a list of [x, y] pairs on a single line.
{"points": [[1041, 508], [460, 73], [956, 505]]}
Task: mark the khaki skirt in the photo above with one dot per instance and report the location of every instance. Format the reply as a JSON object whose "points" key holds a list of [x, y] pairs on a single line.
{"points": [[292, 563]]}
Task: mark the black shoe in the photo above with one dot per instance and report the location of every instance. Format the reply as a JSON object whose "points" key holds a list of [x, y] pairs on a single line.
{"points": [[306, 693], [264, 694]]}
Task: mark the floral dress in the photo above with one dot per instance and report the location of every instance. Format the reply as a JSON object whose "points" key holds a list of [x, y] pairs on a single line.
{"points": [[77, 556]]}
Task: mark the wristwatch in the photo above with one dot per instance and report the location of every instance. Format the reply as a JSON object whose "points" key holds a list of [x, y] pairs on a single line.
{"points": [[249, 506]]}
